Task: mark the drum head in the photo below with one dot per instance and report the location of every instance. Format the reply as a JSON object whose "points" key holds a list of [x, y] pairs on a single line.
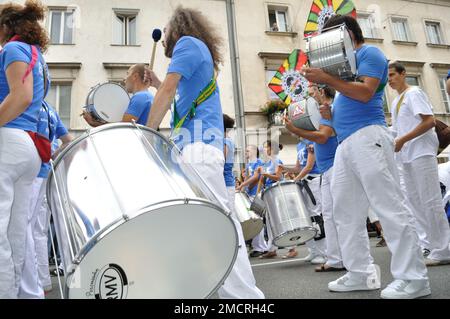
{"points": [[313, 111], [110, 102], [295, 237], [171, 252], [349, 51], [251, 228]]}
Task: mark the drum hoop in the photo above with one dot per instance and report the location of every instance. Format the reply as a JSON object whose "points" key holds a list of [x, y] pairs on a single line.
{"points": [[88, 246], [275, 185]]}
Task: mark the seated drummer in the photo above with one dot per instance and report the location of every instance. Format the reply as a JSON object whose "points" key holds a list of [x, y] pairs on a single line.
{"points": [[141, 102]]}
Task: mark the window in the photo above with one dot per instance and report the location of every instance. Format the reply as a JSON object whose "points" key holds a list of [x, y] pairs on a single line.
{"points": [[367, 25], [60, 96], [269, 75], [278, 19], [412, 80], [61, 26], [124, 28], [401, 29], [445, 96], [434, 34]]}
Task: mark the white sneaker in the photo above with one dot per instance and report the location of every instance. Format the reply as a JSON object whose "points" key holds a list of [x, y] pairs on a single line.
{"points": [[308, 258], [318, 260], [346, 283], [406, 289]]}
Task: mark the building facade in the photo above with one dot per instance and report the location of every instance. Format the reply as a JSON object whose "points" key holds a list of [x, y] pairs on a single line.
{"points": [[96, 41]]}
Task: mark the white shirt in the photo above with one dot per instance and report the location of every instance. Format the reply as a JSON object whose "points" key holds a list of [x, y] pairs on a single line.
{"points": [[414, 104]]}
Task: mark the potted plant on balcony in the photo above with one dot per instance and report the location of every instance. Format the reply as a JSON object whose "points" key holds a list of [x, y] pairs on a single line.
{"points": [[274, 109]]}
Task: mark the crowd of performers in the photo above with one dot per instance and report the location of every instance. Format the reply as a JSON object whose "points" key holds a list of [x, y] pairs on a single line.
{"points": [[354, 164]]}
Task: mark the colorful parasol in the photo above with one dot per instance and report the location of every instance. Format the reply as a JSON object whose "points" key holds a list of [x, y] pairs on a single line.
{"points": [[288, 83], [322, 10]]}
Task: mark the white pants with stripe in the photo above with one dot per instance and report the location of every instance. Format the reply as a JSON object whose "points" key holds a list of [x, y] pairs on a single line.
{"points": [[365, 173]]}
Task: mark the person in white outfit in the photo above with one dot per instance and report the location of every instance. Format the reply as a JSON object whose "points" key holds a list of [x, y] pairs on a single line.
{"points": [[365, 174], [416, 145], [250, 186], [197, 121], [36, 276], [22, 89]]}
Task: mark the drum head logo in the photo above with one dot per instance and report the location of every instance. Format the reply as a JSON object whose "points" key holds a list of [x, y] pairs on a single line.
{"points": [[298, 110], [111, 283], [295, 85]]}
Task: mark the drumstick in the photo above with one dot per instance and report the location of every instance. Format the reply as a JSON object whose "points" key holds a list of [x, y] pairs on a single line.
{"points": [[156, 35], [260, 184]]}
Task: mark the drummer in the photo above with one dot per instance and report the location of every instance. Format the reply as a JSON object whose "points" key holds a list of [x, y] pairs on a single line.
{"points": [[250, 186], [228, 151], [269, 174], [325, 145], [365, 174], [193, 46], [141, 102]]}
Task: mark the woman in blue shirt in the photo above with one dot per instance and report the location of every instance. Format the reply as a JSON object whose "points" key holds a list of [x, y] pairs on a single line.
{"points": [[21, 95]]}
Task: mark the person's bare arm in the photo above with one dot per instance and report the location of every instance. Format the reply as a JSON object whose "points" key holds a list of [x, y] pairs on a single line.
{"points": [[20, 93], [90, 120], [426, 124], [163, 100], [308, 168], [321, 136], [362, 91], [128, 118]]}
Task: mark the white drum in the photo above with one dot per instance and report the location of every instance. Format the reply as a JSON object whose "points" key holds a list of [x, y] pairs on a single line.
{"points": [[333, 52], [132, 222], [107, 102], [251, 223], [305, 114]]}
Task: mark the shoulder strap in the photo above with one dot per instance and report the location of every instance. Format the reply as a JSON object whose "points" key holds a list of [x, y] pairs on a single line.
{"points": [[400, 102]]}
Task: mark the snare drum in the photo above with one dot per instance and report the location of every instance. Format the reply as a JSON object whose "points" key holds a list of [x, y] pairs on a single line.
{"points": [[251, 223], [333, 52], [305, 114], [130, 222], [107, 102], [287, 215]]}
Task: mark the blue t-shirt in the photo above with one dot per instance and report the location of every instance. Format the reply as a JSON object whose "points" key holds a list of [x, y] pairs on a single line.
{"points": [[448, 75], [21, 52], [251, 169], [325, 153], [53, 132], [229, 162], [350, 115], [270, 167], [140, 105], [302, 151], [192, 60]]}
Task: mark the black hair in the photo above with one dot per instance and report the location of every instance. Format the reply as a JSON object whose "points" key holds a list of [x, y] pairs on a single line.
{"points": [[228, 122], [350, 22], [276, 148]]}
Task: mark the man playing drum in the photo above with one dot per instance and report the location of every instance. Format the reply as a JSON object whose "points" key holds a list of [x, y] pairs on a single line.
{"points": [[365, 174], [197, 120], [141, 102]]}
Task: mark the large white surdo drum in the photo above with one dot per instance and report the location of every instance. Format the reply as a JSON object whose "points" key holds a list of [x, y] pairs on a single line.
{"points": [[132, 222], [107, 102], [287, 214], [333, 52]]}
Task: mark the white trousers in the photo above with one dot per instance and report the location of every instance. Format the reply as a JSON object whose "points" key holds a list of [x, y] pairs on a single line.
{"points": [[365, 173], [316, 247], [422, 187], [19, 166], [334, 256], [259, 242], [36, 274], [208, 161]]}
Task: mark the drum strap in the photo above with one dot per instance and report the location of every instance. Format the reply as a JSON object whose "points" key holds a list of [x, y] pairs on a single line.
{"points": [[381, 87], [400, 102], [205, 94]]}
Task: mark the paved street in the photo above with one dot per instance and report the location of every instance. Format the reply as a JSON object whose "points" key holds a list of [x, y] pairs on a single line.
{"points": [[295, 279]]}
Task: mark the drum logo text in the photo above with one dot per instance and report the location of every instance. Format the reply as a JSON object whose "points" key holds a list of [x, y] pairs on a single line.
{"points": [[111, 283]]}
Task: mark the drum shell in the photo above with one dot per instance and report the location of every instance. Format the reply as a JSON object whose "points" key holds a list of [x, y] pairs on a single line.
{"points": [[310, 119], [333, 52], [98, 190], [251, 223], [287, 214]]}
